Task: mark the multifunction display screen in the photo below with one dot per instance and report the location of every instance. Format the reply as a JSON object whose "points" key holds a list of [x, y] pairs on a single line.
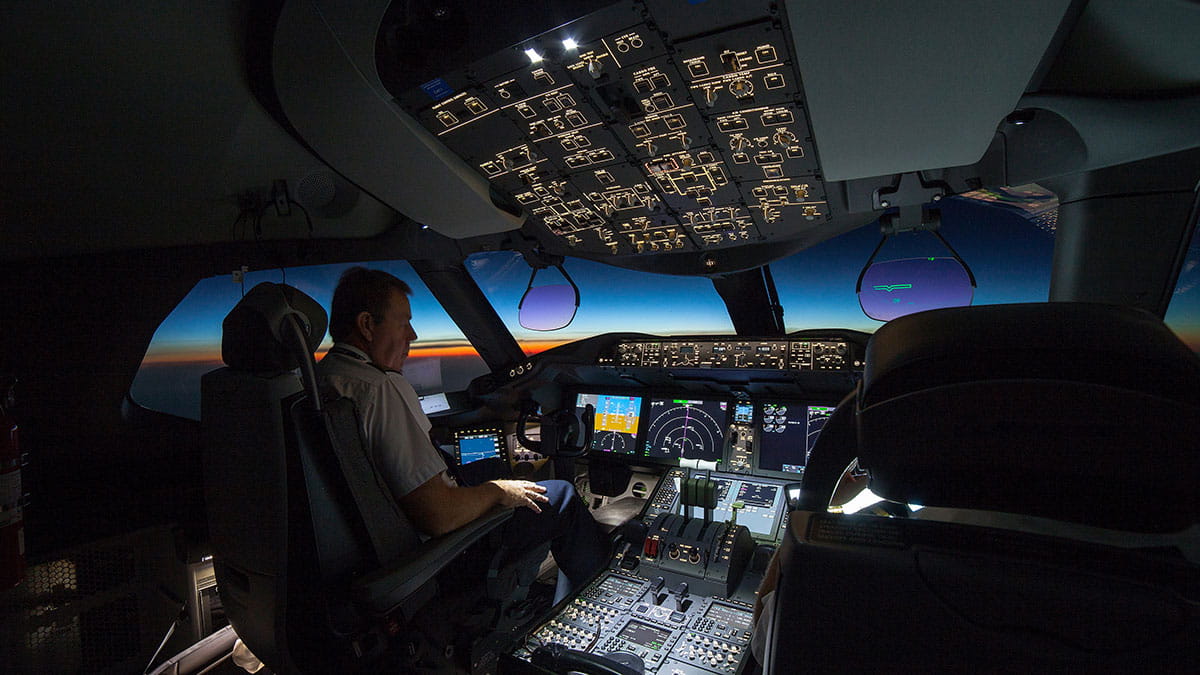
{"points": [[682, 429], [729, 617], [644, 635], [473, 446]]}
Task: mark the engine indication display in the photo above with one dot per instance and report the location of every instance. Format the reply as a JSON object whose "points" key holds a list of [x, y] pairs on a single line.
{"points": [[782, 437], [681, 429]]}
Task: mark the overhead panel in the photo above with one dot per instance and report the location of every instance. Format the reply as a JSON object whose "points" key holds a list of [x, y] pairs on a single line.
{"points": [[641, 128]]}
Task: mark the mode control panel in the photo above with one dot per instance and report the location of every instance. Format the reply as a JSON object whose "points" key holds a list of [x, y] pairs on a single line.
{"points": [[809, 354]]}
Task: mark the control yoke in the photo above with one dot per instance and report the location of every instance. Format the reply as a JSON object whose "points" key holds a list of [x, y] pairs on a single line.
{"points": [[564, 433]]}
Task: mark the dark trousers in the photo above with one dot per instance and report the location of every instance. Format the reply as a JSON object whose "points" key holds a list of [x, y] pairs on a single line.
{"points": [[579, 546]]}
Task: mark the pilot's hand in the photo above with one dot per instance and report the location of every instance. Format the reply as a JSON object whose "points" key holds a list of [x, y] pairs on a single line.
{"points": [[517, 493]]}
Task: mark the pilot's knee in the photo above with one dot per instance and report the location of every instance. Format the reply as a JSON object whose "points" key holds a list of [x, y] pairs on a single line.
{"points": [[558, 491]]}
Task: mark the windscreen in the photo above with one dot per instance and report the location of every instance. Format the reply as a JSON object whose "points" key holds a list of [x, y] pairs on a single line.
{"points": [[611, 299], [187, 343]]}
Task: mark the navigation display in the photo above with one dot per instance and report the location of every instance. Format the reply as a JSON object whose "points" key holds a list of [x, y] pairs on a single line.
{"points": [[472, 446], [616, 422], [681, 429]]}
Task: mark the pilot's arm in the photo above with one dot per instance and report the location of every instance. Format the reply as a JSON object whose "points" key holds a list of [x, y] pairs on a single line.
{"points": [[436, 506]]}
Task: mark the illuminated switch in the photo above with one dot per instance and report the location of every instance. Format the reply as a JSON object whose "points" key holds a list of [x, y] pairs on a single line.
{"points": [[447, 118], [766, 54], [697, 67], [525, 110], [768, 157], [732, 124], [773, 81], [475, 105]]}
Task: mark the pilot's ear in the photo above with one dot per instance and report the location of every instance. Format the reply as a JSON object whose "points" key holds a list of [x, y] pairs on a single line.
{"points": [[365, 325]]}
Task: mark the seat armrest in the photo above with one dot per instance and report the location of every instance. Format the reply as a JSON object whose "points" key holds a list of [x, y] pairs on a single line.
{"points": [[383, 591]]}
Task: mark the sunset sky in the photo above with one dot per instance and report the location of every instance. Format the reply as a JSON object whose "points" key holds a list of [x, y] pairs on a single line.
{"points": [[1008, 255]]}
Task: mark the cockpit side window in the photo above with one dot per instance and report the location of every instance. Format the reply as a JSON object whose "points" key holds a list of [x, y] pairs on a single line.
{"points": [[1183, 312], [612, 299], [188, 342]]}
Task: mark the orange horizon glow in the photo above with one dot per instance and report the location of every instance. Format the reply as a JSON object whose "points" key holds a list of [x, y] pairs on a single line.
{"points": [[440, 350]]}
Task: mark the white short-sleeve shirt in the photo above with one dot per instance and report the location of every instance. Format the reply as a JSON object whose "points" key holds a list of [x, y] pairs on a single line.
{"points": [[394, 428]]}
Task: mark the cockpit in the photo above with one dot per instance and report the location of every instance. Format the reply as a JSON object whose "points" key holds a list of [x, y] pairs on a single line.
{"points": [[845, 322]]}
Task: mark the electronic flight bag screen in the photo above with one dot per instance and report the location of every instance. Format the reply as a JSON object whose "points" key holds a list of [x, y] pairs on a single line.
{"points": [[788, 433], [681, 429], [615, 426], [472, 446]]}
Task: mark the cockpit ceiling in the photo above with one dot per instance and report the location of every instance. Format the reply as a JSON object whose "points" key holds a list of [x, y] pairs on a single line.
{"points": [[660, 127], [142, 127]]}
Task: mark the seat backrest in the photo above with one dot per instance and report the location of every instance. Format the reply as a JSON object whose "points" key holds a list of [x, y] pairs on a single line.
{"points": [[1086, 415], [1079, 412], [287, 533]]}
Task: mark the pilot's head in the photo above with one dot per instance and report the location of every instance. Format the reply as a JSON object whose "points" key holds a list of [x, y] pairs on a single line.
{"points": [[371, 311]]}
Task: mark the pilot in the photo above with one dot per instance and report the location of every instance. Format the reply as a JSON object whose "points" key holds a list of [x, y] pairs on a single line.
{"points": [[370, 323]]}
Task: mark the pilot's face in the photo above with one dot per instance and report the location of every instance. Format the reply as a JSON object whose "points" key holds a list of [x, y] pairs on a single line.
{"points": [[392, 333]]}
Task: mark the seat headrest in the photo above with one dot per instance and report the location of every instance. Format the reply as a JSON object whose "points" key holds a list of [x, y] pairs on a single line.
{"points": [[1081, 342], [252, 337], [1081, 412]]}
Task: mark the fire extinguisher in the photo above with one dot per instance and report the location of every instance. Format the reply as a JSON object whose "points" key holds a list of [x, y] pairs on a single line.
{"points": [[12, 525]]}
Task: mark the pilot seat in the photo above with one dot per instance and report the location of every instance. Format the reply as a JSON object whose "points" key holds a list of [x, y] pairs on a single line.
{"points": [[317, 566], [1055, 448]]}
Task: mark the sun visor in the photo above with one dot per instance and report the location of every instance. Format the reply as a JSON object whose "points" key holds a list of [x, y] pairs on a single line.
{"points": [[885, 81]]}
